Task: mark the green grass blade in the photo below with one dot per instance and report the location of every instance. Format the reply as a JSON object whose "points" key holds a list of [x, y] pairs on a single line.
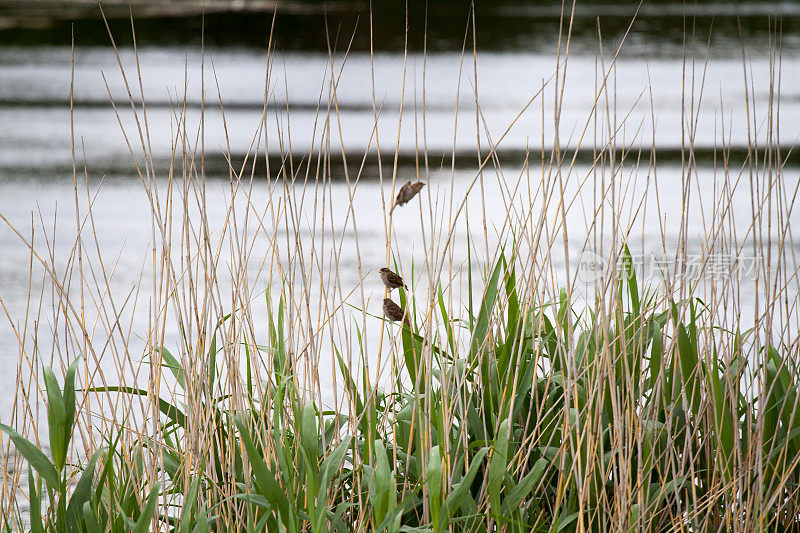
{"points": [[69, 402], [309, 441], [265, 480], [481, 329], [461, 489], [433, 484], [168, 360], [202, 524], [89, 519], [689, 368], [56, 419], [34, 456], [83, 491], [35, 512], [188, 506], [382, 487], [146, 518], [525, 486], [451, 342], [172, 412], [497, 466]]}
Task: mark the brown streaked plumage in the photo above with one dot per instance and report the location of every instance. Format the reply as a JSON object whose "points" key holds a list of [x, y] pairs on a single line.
{"points": [[407, 192], [391, 279], [394, 312]]}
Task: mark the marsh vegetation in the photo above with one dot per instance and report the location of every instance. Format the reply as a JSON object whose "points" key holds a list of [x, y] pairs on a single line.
{"points": [[549, 378]]}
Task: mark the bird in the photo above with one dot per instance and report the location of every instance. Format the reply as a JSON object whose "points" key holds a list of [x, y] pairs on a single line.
{"points": [[407, 192], [391, 279], [394, 312]]}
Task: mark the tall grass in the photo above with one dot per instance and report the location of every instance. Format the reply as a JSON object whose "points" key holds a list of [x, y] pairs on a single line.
{"points": [[518, 400]]}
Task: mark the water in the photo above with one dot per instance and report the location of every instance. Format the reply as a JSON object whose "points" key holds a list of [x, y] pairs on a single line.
{"points": [[516, 89], [35, 92]]}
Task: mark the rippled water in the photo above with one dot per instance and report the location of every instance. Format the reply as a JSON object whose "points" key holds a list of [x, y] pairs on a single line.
{"points": [[645, 95]]}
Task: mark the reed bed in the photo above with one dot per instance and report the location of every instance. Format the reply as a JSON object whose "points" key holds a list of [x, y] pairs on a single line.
{"points": [[518, 398]]}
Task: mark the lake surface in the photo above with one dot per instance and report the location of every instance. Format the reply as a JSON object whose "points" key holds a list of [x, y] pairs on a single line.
{"points": [[388, 102]]}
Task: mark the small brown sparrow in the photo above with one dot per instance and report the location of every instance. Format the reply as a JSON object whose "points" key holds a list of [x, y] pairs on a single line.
{"points": [[391, 279], [394, 312], [407, 192]]}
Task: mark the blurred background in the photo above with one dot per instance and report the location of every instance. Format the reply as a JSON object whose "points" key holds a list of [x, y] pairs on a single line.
{"points": [[503, 25], [517, 43]]}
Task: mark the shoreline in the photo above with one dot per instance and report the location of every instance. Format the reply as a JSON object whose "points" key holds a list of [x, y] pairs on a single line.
{"points": [[36, 14]]}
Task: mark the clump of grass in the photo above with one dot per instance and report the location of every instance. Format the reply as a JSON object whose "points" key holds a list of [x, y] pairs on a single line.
{"points": [[521, 409], [637, 422]]}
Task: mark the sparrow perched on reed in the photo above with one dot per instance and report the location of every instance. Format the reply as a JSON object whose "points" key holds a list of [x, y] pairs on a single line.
{"points": [[391, 279], [407, 192], [394, 312]]}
